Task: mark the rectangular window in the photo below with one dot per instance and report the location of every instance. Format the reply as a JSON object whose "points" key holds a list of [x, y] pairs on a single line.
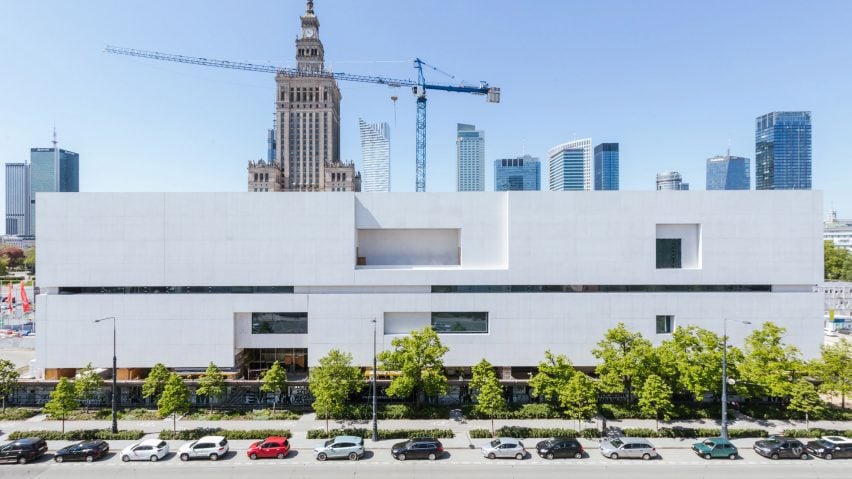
{"points": [[463, 322], [279, 323], [665, 324], [668, 253]]}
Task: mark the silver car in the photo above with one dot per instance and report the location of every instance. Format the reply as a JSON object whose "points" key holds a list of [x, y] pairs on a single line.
{"points": [[208, 447], [504, 447], [632, 447], [351, 447]]}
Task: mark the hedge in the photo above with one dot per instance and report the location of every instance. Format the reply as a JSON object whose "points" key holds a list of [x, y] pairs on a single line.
{"points": [[78, 435], [817, 432], [678, 432], [18, 414], [197, 433], [383, 433], [524, 432]]}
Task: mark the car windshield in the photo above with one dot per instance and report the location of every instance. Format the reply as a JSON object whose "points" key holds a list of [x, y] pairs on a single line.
{"points": [[328, 443], [616, 442], [495, 443]]}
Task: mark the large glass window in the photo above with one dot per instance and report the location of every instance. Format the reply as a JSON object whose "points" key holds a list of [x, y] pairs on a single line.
{"points": [[668, 253], [279, 323], [464, 322], [665, 323]]}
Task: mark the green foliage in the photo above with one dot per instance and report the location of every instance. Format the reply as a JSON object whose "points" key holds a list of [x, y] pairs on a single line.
{"points": [[18, 414], [655, 399], [834, 369], [79, 435], [30, 259], [817, 432], [579, 398], [383, 433], [63, 400], [686, 432], [692, 361], [13, 255], [211, 384], [553, 376], [87, 385], [769, 366], [155, 382], [805, 400], [535, 432], [8, 380], [837, 263], [419, 358], [253, 415], [274, 382], [332, 382], [232, 434], [174, 400], [626, 359], [4, 266], [489, 392]]}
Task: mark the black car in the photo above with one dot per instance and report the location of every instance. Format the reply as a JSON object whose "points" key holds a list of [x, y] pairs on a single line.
{"points": [[830, 447], [24, 450], [559, 447], [418, 448], [82, 451], [779, 447]]}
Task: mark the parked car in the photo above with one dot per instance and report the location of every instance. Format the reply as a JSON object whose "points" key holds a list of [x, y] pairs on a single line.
{"points": [[715, 447], [82, 451], [780, 447], [351, 447], [208, 447], [24, 450], [504, 447], [418, 448], [273, 446], [146, 450], [831, 447], [559, 447], [631, 447]]}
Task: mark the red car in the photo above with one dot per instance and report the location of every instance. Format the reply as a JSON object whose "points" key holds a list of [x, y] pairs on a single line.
{"points": [[273, 446]]}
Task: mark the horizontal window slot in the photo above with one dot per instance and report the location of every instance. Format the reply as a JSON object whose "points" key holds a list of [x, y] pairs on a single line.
{"points": [[605, 288]]}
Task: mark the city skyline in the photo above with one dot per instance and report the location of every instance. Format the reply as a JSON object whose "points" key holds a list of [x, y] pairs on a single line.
{"points": [[207, 132]]}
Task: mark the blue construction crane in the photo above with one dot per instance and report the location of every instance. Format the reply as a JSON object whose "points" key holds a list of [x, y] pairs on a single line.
{"points": [[418, 87]]}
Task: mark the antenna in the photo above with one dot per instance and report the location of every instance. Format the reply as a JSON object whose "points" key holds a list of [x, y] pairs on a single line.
{"points": [[55, 159]]}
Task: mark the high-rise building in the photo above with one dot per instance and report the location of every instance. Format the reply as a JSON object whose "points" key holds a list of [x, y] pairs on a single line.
{"points": [[270, 146], [570, 166], [783, 151], [375, 156], [670, 180], [52, 170], [18, 221], [517, 174], [307, 121], [606, 166], [470, 158], [726, 172]]}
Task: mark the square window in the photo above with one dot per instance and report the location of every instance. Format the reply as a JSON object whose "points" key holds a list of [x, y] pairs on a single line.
{"points": [[664, 324], [669, 253]]}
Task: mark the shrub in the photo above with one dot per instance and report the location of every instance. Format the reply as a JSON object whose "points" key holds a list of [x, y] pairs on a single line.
{"points": [[17, 414], [383, 433], [192, 434], [78, 435], [817, 432], [525, 432], [639, 432]]}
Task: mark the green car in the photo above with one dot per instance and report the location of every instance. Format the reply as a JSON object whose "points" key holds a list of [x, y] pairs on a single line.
{"points": [[715, 447]]}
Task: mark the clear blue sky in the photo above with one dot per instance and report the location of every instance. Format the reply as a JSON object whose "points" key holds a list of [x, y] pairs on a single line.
{"points": [[674, 82]]}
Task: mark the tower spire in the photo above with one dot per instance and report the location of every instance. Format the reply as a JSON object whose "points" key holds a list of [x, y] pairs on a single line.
{"points": [[310, 8]]}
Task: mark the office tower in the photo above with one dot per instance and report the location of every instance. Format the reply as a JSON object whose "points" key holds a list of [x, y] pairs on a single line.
{"points": [[783, 151], [606, 166], [270, 146], [375, 156], [470, 158], [570, 166], [517, 174], [18, 220], [726, 172], [671, 180], [52, 170]]}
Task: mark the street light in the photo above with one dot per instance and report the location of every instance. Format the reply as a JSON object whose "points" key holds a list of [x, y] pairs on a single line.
{"points": [[375, 420], [724, 430], [114, 394]]}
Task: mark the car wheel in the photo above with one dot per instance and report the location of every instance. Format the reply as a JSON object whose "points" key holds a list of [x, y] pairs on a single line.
{"points": [[321, 456], [707, 456], [401, 457], [353, 456], [613, 455], [90, 458], [281, 455], [184, 457], [125, 458], [214, 457], [252, 456], [803, 456], [577, 455], [775, 456], [491, 455], [829, 456], [519, 456], [550, 455], [58, 458], [154, 458], [432, 456], [646, 456], [732, 456]]}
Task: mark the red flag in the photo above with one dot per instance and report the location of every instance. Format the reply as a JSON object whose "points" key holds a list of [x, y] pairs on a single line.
{"points": [[24, 300]]}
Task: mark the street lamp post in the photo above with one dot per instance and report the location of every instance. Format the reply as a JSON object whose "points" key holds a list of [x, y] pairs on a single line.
{"points": [[724, 430], [375, 420], [114, 370]]}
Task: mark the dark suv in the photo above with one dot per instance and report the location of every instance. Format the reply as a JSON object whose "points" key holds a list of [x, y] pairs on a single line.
{"points": [[559, 447], [418, 448], [830, 447], [24, 450], [779, 447]]}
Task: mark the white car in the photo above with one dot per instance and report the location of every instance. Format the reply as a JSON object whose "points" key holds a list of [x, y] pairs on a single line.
{"points": [[208, 447], [148, 450]]}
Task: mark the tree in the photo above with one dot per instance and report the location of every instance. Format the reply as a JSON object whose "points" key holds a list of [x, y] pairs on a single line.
{"points": [[837, 263], [553, 376], [4, 266], [30, 259], [274, 382], [579, 398], [174, 400], [419, 359], [655, 398], [692, 361], [155, 382], [8, 379], [489, 399], [805, 399], [13, 254], [769, 367], [63, 400], [87, 385], [834, 369], [211, 384], [332, 382], [626, 359]]}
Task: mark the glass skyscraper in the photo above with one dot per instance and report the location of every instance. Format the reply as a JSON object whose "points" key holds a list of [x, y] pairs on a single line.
{"points": [[783, 151], [517, 174], [375, 156], [18, 220], [606, 166], [726, 172], [44, 176], [570, 166], [670, 180], [470, 158]]}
